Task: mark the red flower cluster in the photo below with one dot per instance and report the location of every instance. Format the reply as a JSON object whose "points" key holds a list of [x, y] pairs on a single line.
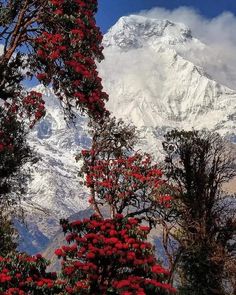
{"points": [[126, 182], [110, 254], [102, 255], [21, 274], [34, 106], [65, 54]]}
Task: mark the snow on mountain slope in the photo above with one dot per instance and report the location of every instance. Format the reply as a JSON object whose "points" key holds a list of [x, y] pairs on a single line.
{"points": [[134, 31], [151, 82], [55, 190]]}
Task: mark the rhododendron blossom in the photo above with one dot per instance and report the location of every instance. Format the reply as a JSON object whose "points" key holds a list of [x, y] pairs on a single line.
{"points": [[111, 254], [21, 274], [66, 50], [128, 183]]}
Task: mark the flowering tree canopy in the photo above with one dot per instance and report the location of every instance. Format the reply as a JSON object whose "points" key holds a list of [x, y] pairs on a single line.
{"points": [[58, 41], [130, 185], [125, 181], [111, 256], [21, 274], [103, 256]]}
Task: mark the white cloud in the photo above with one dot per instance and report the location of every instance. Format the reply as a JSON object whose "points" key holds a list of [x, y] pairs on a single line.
{"points": [[219, 33]]}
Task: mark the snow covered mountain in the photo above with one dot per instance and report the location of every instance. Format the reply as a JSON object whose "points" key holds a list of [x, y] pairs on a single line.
{"points": [[152, 82], [55, 190]]}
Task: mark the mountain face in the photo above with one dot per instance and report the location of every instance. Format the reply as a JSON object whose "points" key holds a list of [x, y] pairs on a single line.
{"points": [[152, 83], [55, 190]]}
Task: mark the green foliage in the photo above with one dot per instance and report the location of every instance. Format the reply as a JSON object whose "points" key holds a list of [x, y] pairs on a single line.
{"points": [[197, 164], [8, 235], [8, 11], [14, 153]]}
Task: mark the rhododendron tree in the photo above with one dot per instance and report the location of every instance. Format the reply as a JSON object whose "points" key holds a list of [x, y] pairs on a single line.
{"points": [[103, 256], [125, 181], [66, 51], [58, 42], [131, 185], [16, 117], [111, 256], [21, 274], [112, 138]]}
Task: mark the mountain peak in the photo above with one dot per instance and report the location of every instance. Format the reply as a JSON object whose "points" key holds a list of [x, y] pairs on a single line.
{"points": [[152, 82], [135, 31]]}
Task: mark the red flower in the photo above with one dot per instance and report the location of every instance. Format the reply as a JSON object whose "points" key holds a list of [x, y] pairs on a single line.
{"points": [[39, 256], [133, 221], [4, 278], [144, 228], [90, 255], [159, 270], [41, 76], [58, 11], [59, 252], [54, 55], [41, 53], [38, 115]]}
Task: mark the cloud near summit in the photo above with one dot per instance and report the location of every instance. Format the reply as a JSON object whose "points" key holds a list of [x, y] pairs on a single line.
{"points": [[218, 58]]}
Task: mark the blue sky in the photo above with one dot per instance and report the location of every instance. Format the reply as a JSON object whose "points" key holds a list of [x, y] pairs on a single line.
{"points": [[110, 10]]}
